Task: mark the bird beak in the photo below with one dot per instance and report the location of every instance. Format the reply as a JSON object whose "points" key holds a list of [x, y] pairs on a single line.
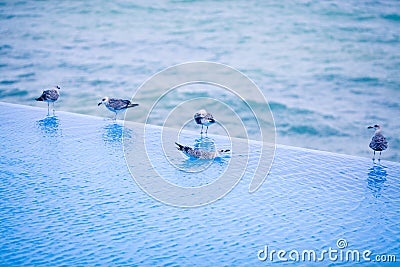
{"points": [[99, 104], [370, 127]]}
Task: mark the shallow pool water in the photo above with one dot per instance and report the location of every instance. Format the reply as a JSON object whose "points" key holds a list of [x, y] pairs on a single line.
{"points": [[68, 198]]}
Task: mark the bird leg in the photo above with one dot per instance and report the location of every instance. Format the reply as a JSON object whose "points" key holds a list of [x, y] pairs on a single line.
{"points": [[207, 130], [373, 158], [201, 129], [48, 109], [54, 110], [115, 117]]}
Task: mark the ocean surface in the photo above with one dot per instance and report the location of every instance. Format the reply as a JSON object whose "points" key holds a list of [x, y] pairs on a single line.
{"points": [[327, 68]]}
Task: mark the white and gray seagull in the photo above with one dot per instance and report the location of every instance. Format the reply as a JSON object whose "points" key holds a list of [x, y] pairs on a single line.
{"points": [[378, 142], [200, 154], [50, 96], [204, 118], [116, 105]]}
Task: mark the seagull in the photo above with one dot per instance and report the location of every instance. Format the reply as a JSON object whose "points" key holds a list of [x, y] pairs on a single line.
{"points": [[200, 154], [50, 96], [116, 105], [204, 118], [378, 142]]}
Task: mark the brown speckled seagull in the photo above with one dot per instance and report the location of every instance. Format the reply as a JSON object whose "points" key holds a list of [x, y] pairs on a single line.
{"points": [[200, 154], [204, 118], [50, 96], [378, 142], [116, 105]]}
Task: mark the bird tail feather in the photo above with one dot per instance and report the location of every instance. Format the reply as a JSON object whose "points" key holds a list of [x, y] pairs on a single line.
{"points": [[132, 105], [180, 147]]}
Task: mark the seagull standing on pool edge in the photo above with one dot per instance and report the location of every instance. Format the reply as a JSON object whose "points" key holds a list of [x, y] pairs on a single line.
{"points": [[204, 118], [116, 105], [378, 142], [50, 96]]}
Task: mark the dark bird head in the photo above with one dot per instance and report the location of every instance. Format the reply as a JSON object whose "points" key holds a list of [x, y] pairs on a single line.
{"points": [[376, 126], [103, 101]]}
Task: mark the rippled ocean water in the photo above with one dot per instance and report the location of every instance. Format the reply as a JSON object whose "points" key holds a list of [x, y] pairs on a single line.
{"points": [[328, 69]]}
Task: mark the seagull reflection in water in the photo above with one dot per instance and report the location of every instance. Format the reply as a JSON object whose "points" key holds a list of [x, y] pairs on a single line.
{"points": [[376, 179], [49, 126], [114, 133]]}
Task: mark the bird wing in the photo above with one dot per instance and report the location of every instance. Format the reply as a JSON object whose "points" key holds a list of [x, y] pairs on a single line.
{"points": [[50, 95], [378, 142], [198, 116], [203, 119], [118, 103], [209, 117], [191, 152]]}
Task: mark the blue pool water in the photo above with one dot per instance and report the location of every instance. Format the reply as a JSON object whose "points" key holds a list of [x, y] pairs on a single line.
{"points": [[67, 198], [328, 68]]}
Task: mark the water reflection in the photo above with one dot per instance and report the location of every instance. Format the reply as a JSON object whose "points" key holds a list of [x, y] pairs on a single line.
{"points": [[376, 179], [50, 126], [113, 133], [205, 144]]}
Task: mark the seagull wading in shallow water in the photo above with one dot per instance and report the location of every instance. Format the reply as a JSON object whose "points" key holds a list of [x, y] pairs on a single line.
{"points": [[116, 105], [204, 118], [378, 142], [50, 96], [200, 154]]}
